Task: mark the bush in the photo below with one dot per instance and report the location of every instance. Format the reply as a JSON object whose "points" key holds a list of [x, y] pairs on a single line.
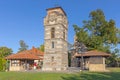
{"points": [[2, 64]]}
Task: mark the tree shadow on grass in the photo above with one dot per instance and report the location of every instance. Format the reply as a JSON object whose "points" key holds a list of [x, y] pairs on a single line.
{"points": [[94, 76]]}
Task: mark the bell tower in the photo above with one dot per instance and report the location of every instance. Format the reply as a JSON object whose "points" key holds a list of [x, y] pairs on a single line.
{"points": [[55, 40]]}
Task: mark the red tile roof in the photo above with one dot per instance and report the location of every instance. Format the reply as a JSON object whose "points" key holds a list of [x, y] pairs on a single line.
{"points": [[93, 53], [36, 51], [27, 54]]}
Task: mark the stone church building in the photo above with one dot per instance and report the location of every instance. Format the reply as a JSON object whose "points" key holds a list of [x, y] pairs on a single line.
{"points": [[55, 56], [55, 40]]}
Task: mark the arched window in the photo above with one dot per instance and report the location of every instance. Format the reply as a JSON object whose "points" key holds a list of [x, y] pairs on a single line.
{"points": [[52, 32]]}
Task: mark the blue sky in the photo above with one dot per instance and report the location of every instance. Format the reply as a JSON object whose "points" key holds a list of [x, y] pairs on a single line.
{"points": [[23, 19]]}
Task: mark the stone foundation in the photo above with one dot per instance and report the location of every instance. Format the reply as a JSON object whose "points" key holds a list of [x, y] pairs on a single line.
{"points": [[96, 67], [55, 64]]}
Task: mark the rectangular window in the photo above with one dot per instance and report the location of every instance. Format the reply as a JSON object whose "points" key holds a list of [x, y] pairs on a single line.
{"points": [[14, 62], [52, 32], [53, 45], [64, 35]]}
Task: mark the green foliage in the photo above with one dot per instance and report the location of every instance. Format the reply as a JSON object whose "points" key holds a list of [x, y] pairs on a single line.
{"points": [[2, 64], [114, 59], [81, 32], [23, 46], [41, 47], [97, 32], [119, 35], [7, 65], [4, 51]]}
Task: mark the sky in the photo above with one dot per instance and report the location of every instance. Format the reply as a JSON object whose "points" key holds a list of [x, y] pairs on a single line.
{"points": [[23, 19]]}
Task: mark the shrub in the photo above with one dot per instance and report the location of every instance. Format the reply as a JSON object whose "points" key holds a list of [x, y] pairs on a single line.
{"points": [[2, 64]]}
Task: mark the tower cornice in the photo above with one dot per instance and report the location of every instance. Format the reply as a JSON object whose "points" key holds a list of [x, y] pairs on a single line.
{"points": [[57, 8]]}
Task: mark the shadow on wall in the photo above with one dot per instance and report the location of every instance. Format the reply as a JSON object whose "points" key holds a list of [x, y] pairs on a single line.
{"points": [[94, 76]]}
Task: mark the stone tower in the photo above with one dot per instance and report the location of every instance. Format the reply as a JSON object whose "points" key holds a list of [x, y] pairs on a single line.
{"points": [[56, 30]]}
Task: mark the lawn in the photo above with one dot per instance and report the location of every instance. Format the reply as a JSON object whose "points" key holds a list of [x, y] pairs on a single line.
{"points": [[113, 75]]}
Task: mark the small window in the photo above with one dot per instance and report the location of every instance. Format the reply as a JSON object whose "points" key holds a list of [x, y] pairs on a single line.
{"points": [[52, 32], [53, 45], [14, 63], [63, 34]]}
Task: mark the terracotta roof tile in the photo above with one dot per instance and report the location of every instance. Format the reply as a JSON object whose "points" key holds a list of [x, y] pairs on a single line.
{"points": [[22, 56], [93, 53], [27, 54]]}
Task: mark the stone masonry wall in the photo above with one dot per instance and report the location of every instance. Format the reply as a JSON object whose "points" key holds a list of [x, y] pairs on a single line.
{"points": [[55, 58]]}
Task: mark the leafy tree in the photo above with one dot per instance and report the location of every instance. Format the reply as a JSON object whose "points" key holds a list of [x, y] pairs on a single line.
{"points": [[23, 46], [114, 59], [41, 47], [4, 51], [82, 35], [2, 64], [97, 32]]}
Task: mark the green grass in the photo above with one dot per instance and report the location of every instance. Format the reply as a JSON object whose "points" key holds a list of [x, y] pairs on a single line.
{"points": [[114, 69], [113, 75], [31, 76]]}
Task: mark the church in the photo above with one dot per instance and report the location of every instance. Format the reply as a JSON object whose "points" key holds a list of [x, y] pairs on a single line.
{"points": [[55, 56]]}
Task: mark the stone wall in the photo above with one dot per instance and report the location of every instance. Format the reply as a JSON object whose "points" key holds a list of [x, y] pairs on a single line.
{"points": [[96, 67], [99, 66], [56, 64], [16, 68], [55, 58]]}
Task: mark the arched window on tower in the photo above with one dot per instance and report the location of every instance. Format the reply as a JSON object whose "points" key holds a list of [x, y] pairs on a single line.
{"points": [[52, 32]]}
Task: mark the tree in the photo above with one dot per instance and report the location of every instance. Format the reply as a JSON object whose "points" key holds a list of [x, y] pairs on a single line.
{"points": [[70, 46], [114, 59], [2, 64], [41, 47], [82, 35], [4, 51], [97, 32], [23, 46]]}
